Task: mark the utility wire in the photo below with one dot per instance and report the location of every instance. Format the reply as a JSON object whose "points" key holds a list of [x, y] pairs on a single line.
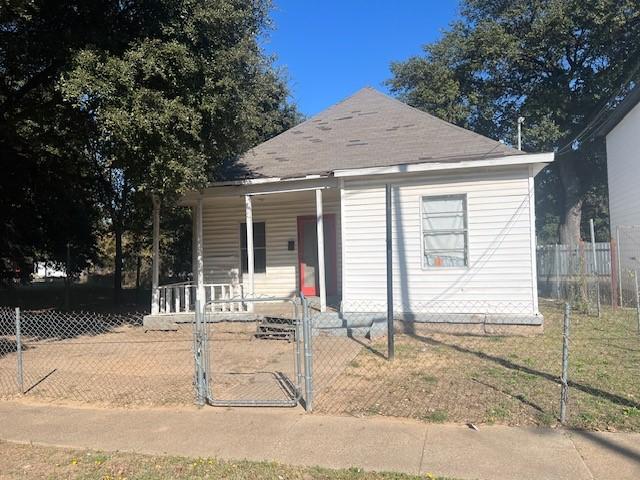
{"points": [[604, 109]]}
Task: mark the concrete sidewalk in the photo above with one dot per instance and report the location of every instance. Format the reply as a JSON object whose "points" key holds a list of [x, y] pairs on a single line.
{"points": [[292, 437]]}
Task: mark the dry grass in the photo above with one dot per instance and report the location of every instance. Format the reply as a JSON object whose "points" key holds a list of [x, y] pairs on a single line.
{"points": [[33, 462], [494, 379]]}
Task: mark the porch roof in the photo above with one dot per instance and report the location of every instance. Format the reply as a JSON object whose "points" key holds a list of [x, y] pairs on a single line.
{"points": [[368, 129]]}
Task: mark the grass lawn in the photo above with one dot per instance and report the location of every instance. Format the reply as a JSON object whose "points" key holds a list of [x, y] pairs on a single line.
{"points": [[511, 380], [34, 462]]}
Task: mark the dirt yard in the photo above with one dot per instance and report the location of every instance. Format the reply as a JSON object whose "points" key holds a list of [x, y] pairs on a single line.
{"points": [[245, 368], [435, 377], [127, 366]]}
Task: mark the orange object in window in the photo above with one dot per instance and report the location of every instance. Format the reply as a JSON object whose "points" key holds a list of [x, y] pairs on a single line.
{"points": [[438, 261]]}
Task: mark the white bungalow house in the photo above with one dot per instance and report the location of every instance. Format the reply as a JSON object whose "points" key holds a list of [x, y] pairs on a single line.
{"points": [[307, 211]]}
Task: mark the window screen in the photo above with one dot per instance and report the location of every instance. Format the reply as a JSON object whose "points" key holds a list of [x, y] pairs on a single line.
{"points": [[259, 248], [444, 231]]}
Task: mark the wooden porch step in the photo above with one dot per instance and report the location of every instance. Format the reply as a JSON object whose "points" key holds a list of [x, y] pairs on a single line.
{"points": [[274, 328]]}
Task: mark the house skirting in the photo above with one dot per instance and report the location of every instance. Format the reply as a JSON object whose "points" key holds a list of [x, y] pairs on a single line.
{"points": [[374, 324]]}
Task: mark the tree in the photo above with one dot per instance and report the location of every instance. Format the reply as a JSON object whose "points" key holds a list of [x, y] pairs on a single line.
{"points": [[104, 102], [555, 62], [46, 187], [167, 112]]}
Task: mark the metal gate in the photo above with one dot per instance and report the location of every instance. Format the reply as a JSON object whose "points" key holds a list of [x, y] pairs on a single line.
{"points": [[260, 356]]}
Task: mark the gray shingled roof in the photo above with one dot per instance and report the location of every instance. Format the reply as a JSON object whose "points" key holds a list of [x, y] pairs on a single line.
{"points": [[368, 129]]}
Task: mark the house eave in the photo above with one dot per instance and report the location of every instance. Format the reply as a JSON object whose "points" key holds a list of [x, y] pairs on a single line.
{"points": [[263, 186], [524, 159]]}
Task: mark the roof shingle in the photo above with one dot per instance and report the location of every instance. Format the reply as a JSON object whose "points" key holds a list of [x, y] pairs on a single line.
{"points": [[368, 129]]}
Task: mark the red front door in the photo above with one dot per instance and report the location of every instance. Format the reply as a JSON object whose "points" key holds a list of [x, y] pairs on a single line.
{"points": [[308, 255]]}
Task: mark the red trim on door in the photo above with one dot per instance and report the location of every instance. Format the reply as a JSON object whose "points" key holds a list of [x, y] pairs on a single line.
{"points": [[330, 254]]}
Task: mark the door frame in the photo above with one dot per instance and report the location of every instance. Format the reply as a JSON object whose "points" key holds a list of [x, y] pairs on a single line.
{"points": [[330, 257]]}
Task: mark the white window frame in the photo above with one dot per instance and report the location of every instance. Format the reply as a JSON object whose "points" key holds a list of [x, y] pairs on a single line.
{"points": [[465, 200]]}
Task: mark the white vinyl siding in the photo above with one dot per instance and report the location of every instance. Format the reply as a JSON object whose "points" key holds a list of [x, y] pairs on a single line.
{"points": [[222, 217], [623, 171], [623, 168], [499, 245]]}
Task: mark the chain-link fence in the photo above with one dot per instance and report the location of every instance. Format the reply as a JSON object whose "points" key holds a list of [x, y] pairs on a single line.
{"points": [[477, 362], [94, 357], [255, 358], [604, 369], [453, 361], [590, 275], [627, 260], [578, 273]]}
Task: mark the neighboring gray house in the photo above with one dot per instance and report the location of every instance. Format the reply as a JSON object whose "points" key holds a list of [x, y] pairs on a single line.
{"points": [[463, 222]]}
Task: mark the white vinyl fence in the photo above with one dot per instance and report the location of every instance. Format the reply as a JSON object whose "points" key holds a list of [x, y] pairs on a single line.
{"points": [[565, 271]]}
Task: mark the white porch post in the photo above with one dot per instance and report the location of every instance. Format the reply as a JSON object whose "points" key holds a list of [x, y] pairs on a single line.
{"points": [[321, 265], [191, 288], [155, 278], [200, 295], [194, 243], [250, 259]]}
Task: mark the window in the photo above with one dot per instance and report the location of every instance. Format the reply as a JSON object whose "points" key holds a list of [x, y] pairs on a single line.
{"points": [[444, 231], [259, 248]]}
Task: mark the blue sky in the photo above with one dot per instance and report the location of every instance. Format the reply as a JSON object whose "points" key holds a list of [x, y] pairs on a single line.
{"points": [[332, 48]]}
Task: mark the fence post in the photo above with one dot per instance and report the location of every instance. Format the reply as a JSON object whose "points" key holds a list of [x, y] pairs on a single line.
{"points": [[389, 242], [618, 253], [613, 258], [20, 366], [199, 352], [557, 265], [595, 264], [564, 395], [308, 357], [635, 276]]}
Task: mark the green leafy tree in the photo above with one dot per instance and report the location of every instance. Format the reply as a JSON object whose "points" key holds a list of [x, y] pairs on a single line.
{"points": [[554, 62], [47, 187], [176, 105], [105, 102]]}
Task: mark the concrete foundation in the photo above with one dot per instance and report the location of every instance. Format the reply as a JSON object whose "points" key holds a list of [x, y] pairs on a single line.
{"points": [[371, 324]]}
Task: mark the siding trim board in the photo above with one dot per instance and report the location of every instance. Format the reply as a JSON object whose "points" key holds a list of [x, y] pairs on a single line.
{"points": [[532, 234]]}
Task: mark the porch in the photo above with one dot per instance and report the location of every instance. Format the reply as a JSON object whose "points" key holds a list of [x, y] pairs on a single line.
{"points": [[251, 241]]}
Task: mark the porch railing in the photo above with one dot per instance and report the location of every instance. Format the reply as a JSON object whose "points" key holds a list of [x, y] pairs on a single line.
{"points": [[181, 297]]}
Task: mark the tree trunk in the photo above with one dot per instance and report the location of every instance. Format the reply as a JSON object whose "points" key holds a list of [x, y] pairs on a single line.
{"points": [[67, 294], [117, 274], [138, 268], [571, 218], [67, 280]]}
